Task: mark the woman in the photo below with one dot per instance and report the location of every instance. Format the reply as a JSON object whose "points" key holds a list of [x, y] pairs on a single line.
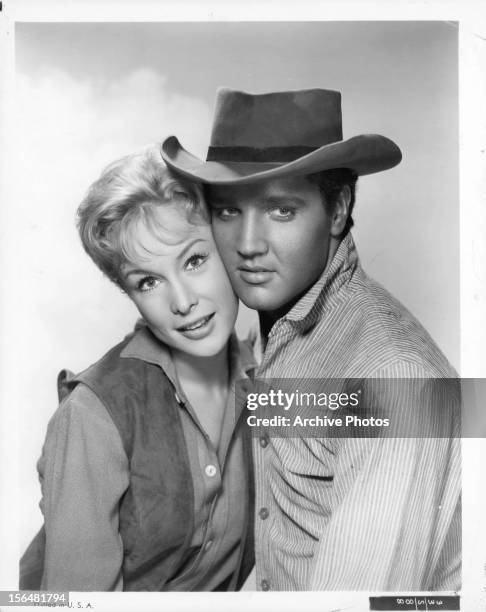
{"points": [[144, 484]]}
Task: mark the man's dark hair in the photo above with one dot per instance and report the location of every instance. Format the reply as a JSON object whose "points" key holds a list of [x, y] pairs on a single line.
{"points": [[331, 183]]}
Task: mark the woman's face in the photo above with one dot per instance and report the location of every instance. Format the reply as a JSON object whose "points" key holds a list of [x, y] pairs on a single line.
{"points": [[176, 279]]}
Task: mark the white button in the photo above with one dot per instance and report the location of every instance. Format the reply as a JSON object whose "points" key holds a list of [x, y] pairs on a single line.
{"points": [[208, 545], [210, 470], [178, 399]]}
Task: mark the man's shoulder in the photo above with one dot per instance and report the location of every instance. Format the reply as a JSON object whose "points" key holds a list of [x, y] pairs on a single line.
{"points": [[381, 332]]}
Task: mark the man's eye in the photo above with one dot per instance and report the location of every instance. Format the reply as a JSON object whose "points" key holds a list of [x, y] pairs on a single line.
{"points": [[147, 283], [283, 212], [225, 212], [196, 261]]}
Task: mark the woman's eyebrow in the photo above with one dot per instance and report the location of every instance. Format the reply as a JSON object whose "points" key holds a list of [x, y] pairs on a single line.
{"points": [[178, 256], [135, 271], [189, 246]]}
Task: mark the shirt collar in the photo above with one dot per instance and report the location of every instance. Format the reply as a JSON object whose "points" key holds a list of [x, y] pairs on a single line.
{"points": [[145, 346], [328, 287]]}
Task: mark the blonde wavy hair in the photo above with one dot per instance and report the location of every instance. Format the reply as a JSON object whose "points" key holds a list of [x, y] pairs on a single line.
{"points": [[128, 191]]}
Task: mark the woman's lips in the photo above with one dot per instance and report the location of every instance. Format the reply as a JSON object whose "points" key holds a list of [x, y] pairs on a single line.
{"points": [[199, 328]]}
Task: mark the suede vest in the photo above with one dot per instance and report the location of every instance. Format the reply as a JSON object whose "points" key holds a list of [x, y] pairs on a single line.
{"points": [[157, 510]]}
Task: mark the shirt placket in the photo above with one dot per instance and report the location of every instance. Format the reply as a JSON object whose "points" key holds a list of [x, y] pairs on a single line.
{"points": [[211, 464], [263, 453]]}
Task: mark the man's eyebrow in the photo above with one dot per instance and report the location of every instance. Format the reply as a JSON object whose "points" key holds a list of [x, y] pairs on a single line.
{"points": [[219, 201], [285, 199], [265, 199]]}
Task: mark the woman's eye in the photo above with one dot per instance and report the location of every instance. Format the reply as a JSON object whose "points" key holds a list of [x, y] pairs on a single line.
{"points": [[195, 261], [147, 283]]}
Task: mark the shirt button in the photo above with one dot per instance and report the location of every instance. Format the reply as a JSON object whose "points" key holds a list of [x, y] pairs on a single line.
{"points": [[210, 470], [177, 397], [263, 514], [265, 586], [208, 545], [264, 441]]}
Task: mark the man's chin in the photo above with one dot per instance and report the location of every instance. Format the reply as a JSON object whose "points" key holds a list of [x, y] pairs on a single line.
{"points": [[260, 299]]}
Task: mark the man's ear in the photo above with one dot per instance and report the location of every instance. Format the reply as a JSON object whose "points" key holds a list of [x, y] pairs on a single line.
{"points": [[341, 212]]}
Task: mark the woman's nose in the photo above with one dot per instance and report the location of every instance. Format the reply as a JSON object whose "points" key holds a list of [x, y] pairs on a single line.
{"points": [[183, 299]]}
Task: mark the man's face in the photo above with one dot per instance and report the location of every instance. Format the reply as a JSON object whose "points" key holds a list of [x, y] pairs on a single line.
{"points": [[273, 237]]}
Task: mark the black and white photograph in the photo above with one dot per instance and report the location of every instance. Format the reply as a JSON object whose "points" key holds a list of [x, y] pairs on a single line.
{"points": [[200, 205]]}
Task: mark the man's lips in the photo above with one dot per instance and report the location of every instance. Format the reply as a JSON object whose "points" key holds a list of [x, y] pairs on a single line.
{"points": [[196, 324], [248, 268], [254, 275]]}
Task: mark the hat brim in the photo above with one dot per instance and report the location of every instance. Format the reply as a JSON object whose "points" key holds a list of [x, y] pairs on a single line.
{"points": [[364, 154]]}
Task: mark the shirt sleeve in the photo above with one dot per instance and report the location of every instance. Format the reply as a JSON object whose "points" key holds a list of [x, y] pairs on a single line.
{"points": [[447, 575], [395, 519], [83, 472]]}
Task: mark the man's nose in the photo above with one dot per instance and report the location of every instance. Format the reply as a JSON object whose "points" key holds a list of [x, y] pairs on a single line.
{"points": [[183, 298], [251, 241]]}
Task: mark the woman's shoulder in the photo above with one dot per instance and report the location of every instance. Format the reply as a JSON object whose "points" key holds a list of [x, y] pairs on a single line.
{"points": [[79, 427], [122, 368], [79, 402], [80, 407]]}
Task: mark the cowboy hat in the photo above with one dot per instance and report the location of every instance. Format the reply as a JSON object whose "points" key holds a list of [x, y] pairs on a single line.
{"points": [[274, 135]]}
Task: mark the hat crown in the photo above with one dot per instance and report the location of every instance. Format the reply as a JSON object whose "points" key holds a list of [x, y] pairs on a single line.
{"points": [[305, 119], [276, 135]]}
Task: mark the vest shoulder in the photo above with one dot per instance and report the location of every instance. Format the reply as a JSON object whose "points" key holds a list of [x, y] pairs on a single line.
{"points": [[109, 361], [136, 394], [122, 383]]}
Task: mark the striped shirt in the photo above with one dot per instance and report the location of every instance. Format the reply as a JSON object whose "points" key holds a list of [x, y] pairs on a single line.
{"points": [[349, 513]]}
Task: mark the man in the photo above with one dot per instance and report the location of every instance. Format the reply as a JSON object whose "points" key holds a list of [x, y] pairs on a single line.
{"points": [[331, 514]]}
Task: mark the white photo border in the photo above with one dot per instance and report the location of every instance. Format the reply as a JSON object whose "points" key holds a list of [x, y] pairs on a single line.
{"points": [[471, 20]]}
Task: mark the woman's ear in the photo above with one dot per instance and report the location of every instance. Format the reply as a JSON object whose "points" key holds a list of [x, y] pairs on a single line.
{"points": [[341, 212]]}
